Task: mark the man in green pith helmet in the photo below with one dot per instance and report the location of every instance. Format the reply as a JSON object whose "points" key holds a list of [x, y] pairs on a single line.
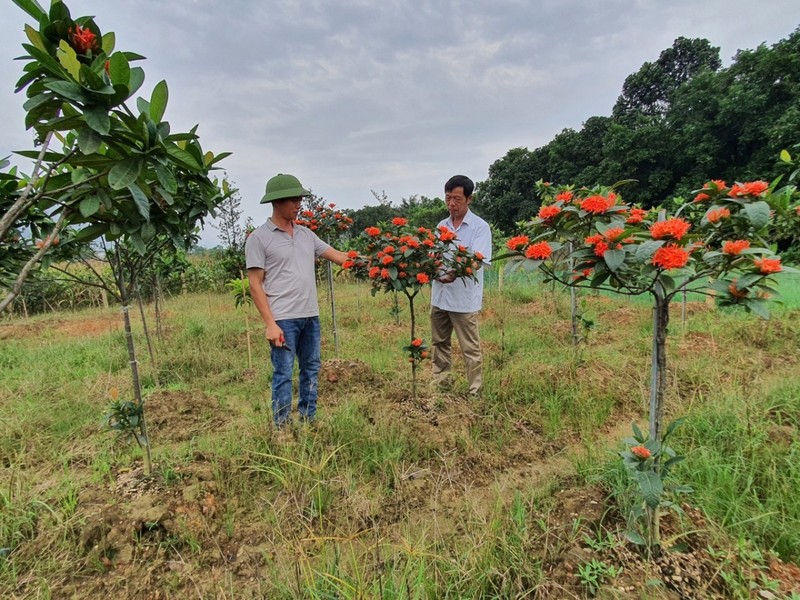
{"points": [[280, 267]]}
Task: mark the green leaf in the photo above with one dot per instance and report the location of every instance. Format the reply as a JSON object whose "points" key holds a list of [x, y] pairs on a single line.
{"points": [[142, 202], [89, 206], [36, 39], [32, 7], [69, 90], [758, 213], [635, 538], [89, 140], [645, 250], [136, 79], [119, 69], [637, 433], [92, 232], [68, 59], [651, 487], [143, 106], [124, 173], [140, 247], [614, 259], [158, 101], [182, 156], [166, 179], [78, 175], [758, 306], [785, 156], [97, 118], [109, 40], [148, 231]]}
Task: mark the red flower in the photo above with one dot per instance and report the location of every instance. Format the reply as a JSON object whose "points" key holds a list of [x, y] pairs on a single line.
{"points": [[348, 264], [637, 215], [83, 40], [423, 278], [548, 212], [352, 254], [674, 228], [517, 243], [399, 221], [641, 452], [416, 342], [768, 265], [478, 256], [735, 247], [446, 234], [373, 231], [539, 251], [736, 191], [388, 249], [594, 239], [755, 188], [564, 196], [613, 233], [597, 204], [701, 197], [715, 215], [384, 273], [716, 184], [600, 248], [373, 272], [386, 260], [586, 272], [670, 257]]}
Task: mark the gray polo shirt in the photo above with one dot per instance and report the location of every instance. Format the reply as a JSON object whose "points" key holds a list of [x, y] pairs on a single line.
{"points": [[288, 263]]}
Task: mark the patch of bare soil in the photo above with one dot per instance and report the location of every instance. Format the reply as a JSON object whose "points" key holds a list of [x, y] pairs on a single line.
{"points": [[79, 327], [175, 416]]}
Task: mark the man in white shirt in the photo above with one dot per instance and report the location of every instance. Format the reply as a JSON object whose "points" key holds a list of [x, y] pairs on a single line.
{"points": [[455, 303]]}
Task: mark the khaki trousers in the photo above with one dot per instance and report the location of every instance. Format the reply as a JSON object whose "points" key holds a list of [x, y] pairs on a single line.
{"points": [[443, 323]]}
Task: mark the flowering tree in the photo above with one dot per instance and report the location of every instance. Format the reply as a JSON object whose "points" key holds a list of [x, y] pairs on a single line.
{"points": [[401, 258], [121, 179], [714, 242], [329, 224]]}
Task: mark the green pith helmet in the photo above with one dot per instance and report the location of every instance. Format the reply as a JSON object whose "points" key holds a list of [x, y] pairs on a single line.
{"points": [[283, 186]]}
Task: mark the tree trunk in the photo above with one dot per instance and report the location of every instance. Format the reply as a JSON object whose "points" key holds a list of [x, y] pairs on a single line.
{"points": [[333, 309], [153, 362], [414, 361], [143, 440]]}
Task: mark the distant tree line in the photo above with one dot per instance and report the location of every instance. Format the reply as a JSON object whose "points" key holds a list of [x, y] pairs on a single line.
{"points": [[678, 122]]}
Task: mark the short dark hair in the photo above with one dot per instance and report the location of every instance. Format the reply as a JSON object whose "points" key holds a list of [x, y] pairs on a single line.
{"points": [[461, 181]]}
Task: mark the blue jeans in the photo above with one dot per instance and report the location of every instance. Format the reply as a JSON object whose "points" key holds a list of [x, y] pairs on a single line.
{"points": [[302, 337]]}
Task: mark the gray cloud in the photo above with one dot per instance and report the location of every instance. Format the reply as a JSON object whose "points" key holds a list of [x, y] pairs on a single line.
{"points": [[391, 95]]}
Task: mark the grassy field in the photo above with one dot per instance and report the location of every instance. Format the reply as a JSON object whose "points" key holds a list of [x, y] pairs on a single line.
{"points": [[518, 494]]}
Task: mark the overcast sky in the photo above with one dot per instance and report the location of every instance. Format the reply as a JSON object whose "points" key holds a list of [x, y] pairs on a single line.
{"points": [[386, 95]]}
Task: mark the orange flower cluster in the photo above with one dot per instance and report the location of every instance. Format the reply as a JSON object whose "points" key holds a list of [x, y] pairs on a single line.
{"points": [[701, 197], [564, 196], [752, 188], [83, 40], [637, 216], [670, 257], [598, 204], [736, 292], [603, 242], [674, 228], [715, 215], [517, 243], [641, 452], [325, 221], [766, 266], [539, 251], [735, 247], [402, 258], [548, 212]]}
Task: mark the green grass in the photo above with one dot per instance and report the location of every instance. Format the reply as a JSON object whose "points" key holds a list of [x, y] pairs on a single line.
{"points": [[388, 496]]}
